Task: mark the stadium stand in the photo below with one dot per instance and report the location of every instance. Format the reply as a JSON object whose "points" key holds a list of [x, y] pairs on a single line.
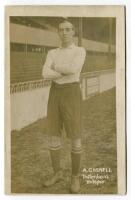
{"points": [[26, 67], [30, 40], [27, 59]]}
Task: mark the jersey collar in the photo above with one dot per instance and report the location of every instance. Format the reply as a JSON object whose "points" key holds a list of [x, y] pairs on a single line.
{"points": [[69, 47]]}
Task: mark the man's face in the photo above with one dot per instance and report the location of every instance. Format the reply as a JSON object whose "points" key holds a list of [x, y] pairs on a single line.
{"points": [[66, 32]]}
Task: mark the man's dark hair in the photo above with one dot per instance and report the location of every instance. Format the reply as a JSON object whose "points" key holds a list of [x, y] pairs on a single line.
{"points": [[64, 20]]}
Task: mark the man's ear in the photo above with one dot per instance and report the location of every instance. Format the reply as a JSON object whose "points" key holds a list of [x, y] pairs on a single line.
{"points": [[73, 32], [73, 28]]}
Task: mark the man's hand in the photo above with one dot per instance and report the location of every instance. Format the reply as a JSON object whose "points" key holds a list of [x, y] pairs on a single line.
{"points": [[53, 68], [63, 74]]}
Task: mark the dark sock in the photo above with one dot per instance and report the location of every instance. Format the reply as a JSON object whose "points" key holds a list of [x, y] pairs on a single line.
{"points": [[55, 158], [76, 159]]}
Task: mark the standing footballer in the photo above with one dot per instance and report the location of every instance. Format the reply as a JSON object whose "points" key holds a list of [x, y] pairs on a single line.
{"points": [[63, 66]]}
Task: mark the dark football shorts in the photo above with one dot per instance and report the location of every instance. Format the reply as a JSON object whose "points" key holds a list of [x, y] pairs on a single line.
{"points": [[64, 108]]}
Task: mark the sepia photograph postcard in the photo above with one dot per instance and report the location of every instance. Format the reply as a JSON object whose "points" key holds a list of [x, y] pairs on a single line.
{"points": [[65, 70]]}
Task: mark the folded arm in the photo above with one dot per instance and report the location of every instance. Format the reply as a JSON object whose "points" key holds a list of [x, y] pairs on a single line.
{"points": [[50, 74], [75, 65], [47, 72]]}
